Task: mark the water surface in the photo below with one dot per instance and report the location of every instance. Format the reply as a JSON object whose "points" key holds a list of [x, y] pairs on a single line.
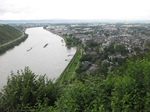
{"points": [[43, 52]]}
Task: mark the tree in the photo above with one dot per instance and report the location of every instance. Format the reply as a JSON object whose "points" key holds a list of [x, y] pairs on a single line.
{"points": [[27, 90], [121, 48]]}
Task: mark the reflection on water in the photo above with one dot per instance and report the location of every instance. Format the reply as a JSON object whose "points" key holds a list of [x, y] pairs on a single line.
{"points": [[43, 52]]}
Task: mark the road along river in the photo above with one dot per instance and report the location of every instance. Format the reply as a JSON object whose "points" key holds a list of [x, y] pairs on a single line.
{"points": [[43, 52]]}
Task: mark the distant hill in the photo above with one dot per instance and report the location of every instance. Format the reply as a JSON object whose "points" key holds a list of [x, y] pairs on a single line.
{"points": [[8, 33], [74, 21]]}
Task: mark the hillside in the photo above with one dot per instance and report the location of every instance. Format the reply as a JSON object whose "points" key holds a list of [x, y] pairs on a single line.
{"points": [[8, 33], [124, 90], [111, 79]]}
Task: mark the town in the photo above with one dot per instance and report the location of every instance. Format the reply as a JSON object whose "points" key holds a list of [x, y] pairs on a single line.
{"points": [[106, 46]]}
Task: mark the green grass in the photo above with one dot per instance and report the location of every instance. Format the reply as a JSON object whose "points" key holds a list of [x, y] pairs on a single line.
{"points": [[73, 66], [69, 71]]}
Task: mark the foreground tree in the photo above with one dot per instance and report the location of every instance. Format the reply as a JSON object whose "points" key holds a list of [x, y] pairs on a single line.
{"points": [[126, 90], [25, 90]]}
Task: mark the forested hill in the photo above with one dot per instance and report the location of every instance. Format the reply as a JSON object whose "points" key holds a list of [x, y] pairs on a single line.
{"points": [[8, 33]]}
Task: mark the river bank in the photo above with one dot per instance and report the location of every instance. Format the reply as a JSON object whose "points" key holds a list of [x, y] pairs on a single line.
{"points": [[49, 60], [13, 43], [69, 71]]}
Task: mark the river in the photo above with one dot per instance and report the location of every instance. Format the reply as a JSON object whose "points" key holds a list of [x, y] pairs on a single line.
{"points": [[43, 52]]}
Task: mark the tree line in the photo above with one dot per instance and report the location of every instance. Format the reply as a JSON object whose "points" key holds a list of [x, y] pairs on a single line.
{"points": [[126, 89]]}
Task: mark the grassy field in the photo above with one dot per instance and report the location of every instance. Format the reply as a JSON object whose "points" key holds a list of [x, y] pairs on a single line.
{"points": [[69, 71]]}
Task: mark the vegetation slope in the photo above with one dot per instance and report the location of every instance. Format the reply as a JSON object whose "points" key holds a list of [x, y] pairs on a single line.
{"points": [[8, 33], [126, 89]]}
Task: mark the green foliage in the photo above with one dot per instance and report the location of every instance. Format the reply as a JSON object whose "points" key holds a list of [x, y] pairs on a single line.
{"points": [[72, 41], [107, 34], [116, 48], [69, 71], [25, 90], [129, 91], [90, 96], [91, 44], [76, 98], [8, 33], [86, 58], [124, 90], [3, 49]]}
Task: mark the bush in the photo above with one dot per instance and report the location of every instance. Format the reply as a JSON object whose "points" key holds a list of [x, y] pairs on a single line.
{"points": [[25, 90], [127, 92]]}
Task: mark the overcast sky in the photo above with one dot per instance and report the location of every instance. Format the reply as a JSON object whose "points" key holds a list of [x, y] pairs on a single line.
{"points": [[75, 9]]}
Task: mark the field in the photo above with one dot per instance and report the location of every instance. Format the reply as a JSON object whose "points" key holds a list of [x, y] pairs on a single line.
{"points": [[69, 71]]}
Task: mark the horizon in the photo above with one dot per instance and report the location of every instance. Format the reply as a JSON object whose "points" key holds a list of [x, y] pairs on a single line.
{"points": [[74, 21], [125, 10]]}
